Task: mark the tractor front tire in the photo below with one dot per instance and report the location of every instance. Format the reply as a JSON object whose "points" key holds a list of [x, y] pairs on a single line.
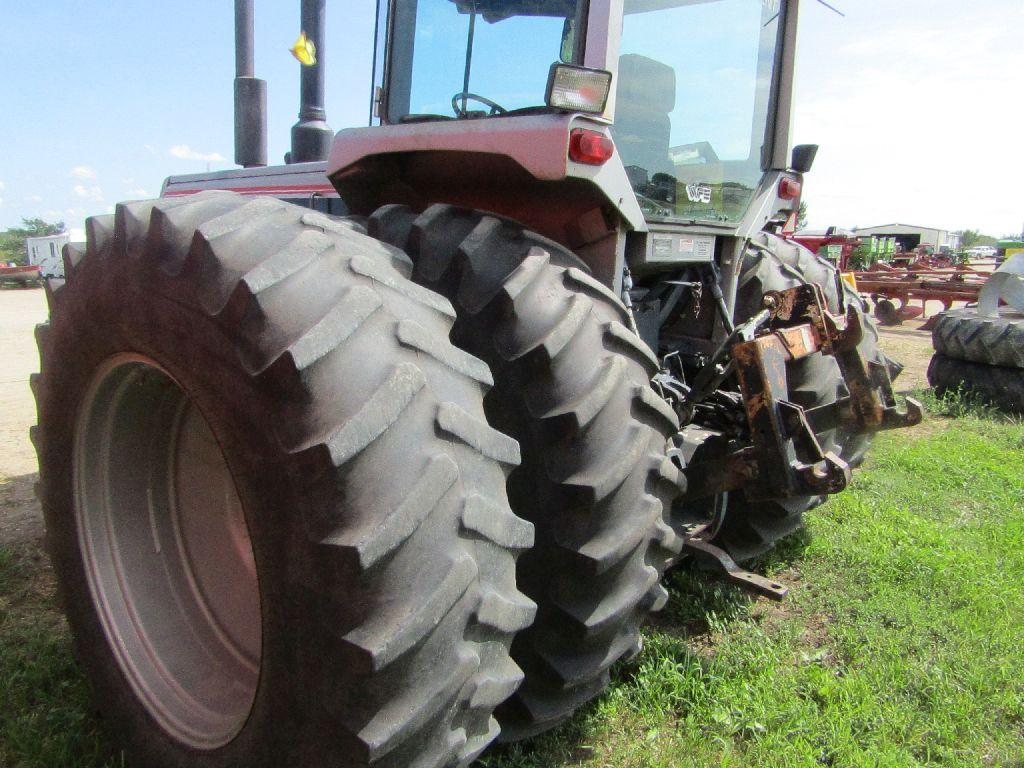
{"points": [[572, 385], [277, 514]]}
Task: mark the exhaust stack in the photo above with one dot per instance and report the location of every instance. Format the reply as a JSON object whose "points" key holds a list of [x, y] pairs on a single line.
{"points": [[311, 136], [250, 93]]}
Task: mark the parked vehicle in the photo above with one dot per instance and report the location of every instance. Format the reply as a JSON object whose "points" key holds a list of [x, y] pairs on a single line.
{"points": [[45, 252], [375, 488], [981, 252]]}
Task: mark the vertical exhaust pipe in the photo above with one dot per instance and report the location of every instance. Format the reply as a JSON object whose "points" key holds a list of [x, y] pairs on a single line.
{"points": [[311, 136], [250, 93]]}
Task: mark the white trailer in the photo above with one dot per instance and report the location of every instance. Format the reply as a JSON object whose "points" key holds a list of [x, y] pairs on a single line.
{"points": [[45, 253]]}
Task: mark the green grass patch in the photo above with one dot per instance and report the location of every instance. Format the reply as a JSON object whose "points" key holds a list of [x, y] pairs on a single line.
{"points": [[45, 717], [900, 644]]}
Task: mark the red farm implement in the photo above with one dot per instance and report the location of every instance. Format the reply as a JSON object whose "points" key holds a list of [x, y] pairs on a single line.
{"points": [[19, 274], [892, 288], [837, 245]]}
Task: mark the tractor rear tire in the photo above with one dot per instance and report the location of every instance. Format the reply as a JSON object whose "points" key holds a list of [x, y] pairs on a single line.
{"points": [[572, 385], [963, 334], [992, 385], [752, 528], [277, 514]]}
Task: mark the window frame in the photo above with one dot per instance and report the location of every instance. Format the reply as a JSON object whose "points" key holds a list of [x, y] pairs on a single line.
{"points": [[384, 56]]}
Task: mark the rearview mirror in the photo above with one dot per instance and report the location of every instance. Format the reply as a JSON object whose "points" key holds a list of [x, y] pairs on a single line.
{"points": [[803, 157]]}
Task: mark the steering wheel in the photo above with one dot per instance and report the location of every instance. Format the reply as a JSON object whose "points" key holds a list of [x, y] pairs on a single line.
{"points": [[496, 109]]}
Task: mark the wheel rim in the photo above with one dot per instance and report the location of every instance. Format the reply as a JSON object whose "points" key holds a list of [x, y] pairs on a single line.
{"points": [[167, 552]]}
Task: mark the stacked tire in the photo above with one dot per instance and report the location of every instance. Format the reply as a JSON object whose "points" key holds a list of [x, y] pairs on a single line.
{"points": [[980, 357]]}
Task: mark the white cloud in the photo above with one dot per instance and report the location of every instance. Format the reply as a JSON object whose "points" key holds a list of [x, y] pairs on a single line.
{"points": [[184, 152], [917, 124], [2, 186], [34, 199], [1, 202], [75, 213], [77, 234], [83, 172], [138, 193], [88, 193]]}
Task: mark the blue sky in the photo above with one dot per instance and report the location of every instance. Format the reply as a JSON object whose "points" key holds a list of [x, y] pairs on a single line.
{"points": [[103, 100], [917, 104]]}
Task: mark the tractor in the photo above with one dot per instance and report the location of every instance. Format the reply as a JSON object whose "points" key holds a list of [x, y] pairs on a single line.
{"points": [[378, 456]]}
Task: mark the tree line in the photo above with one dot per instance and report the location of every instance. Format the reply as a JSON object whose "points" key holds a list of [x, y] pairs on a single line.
{"points": [[12, 239]]}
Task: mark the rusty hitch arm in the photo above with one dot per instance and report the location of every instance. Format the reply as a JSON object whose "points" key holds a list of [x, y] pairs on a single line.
{"points": [[784, 458], [871, 405]]}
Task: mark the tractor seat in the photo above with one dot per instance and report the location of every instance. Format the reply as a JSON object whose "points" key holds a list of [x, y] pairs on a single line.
{"points": [[644, 98]]}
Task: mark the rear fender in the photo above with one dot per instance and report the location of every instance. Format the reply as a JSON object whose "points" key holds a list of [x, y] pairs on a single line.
{"points": [[517, 166]]}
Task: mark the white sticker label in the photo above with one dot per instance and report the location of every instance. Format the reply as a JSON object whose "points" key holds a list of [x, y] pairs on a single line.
{"points": [[662, 247], [697, 247], [698, 193], [682, 248]]}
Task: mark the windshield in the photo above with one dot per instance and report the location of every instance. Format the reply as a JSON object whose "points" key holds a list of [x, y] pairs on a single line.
{"points": [[465, 58], [692, 103]]}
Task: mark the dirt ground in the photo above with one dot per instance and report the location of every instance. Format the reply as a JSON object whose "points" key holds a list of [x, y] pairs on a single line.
{"points": [[912, 347], [21, 310]]}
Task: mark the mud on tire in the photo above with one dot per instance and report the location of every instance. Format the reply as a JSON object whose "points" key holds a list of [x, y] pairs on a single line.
{"points": [[572, 386], [372, 487]]}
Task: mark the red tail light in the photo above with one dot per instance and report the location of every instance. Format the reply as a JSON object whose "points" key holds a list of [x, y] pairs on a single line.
{"points": [[590, 147], [789, 189]]}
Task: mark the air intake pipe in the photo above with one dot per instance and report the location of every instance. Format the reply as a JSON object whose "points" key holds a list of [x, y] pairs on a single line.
{"points": [[250, 93], [311, 136]]}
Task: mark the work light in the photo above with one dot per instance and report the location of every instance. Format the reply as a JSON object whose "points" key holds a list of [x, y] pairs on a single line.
{"points": [[578, 89]]}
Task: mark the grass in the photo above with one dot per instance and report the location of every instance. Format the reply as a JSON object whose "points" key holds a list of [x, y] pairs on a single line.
{"points": [[900, 644], [45, 717]]}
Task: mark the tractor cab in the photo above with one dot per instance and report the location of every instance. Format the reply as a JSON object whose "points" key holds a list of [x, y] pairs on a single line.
{"points": [[642, 134], [690, 122]]}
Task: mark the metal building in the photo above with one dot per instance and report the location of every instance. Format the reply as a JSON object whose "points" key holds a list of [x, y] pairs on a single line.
{"points": [[909, 237]]}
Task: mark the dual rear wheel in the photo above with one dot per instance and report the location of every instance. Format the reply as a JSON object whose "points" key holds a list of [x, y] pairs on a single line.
{"points": [[279, 499]]}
